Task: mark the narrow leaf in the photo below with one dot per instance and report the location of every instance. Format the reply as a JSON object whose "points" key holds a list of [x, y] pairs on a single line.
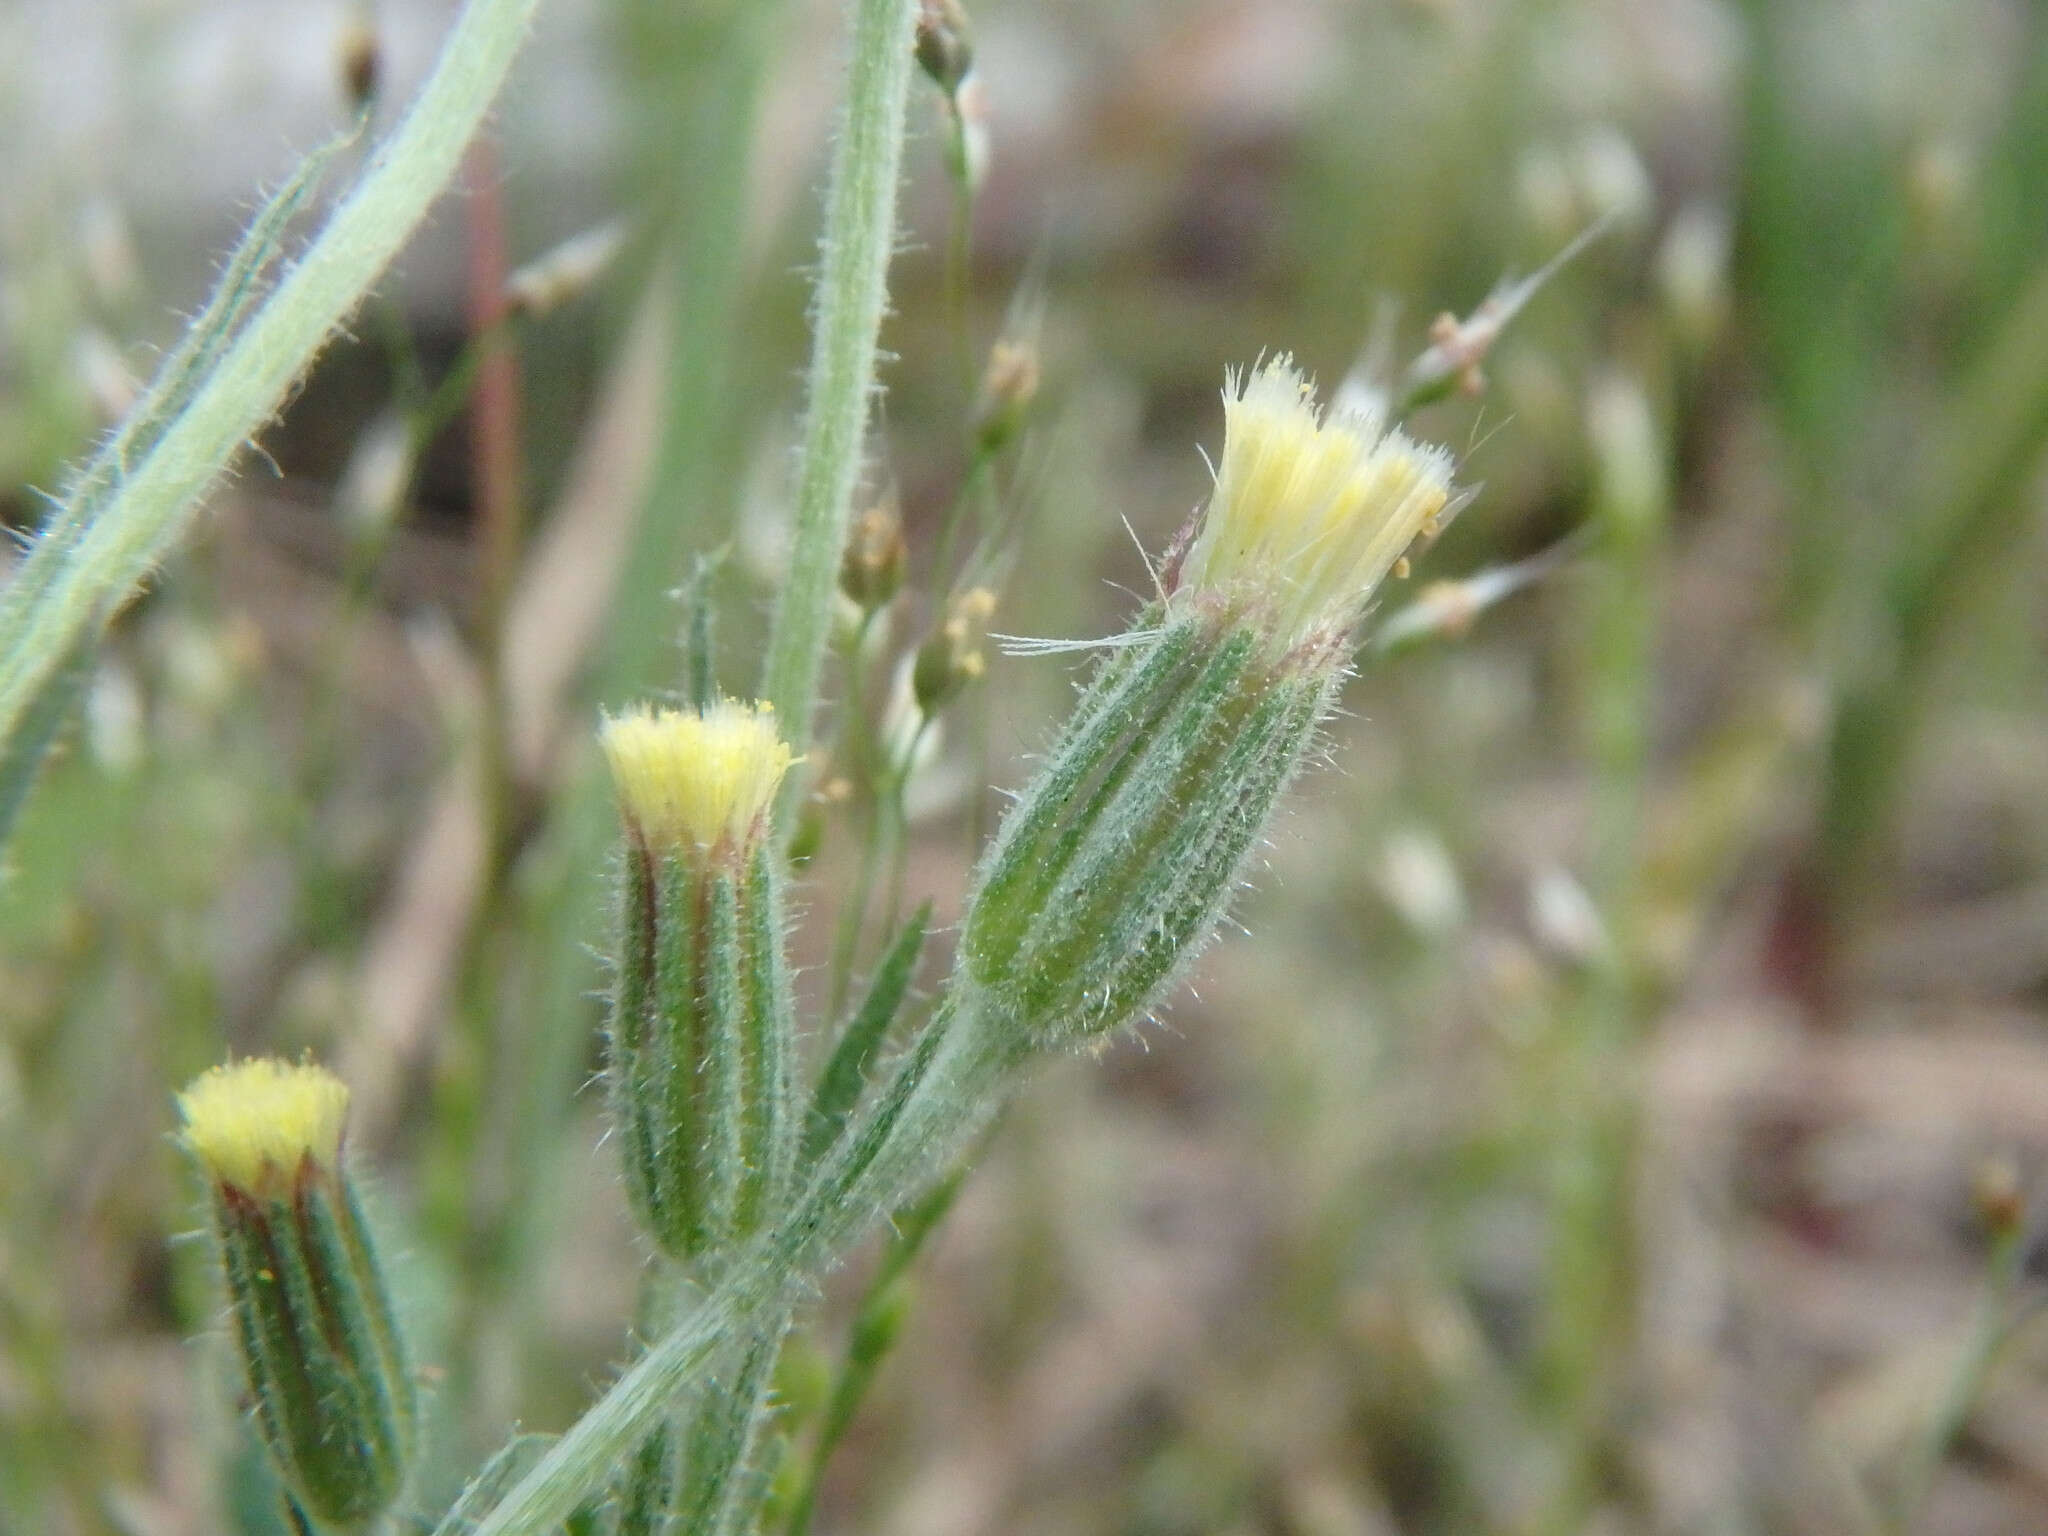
{"points": [[22, 753], [700, 671], [500, 1474], [853, 1058]]}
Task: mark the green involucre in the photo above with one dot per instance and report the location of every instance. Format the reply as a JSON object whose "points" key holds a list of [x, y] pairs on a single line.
{"points": [[321, 1352], [1115, 865], [700, 1046]]}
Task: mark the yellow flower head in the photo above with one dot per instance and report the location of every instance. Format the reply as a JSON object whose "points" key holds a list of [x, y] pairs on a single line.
{"points": [[686, 778], [251, 1123], [1308, 513]]}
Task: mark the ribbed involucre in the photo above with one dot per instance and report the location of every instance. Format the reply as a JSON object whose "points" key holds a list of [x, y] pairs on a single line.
{"points": [[700, 1068], [1115, 865], [331, 1391]]}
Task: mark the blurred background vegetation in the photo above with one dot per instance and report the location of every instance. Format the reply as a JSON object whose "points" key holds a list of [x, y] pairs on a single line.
{"points": [[1623, 1114]]}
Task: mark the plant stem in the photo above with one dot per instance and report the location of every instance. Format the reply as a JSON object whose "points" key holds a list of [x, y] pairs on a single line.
{"points": [[860, 231], [1973, 506], [1988, 1331], [1592, 1262], [940, 1096], [869, 1344], [703, 100], [855, 750], [980, 463], [959, 247], [726, 1426], [76, 578], [494, 441]]}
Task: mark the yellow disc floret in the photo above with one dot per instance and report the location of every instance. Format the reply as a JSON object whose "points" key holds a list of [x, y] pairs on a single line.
{"points": [[252, 1123], [1310, 513], [689, 778]]}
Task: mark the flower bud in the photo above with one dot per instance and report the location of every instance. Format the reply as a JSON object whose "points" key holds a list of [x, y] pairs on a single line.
{"points": [[372, 491], [1632, 490], [360, 62], [945, 48], [951, 657], [701, 1023], [1308, 516], [1008, 386], [1114, 866], [320, 1347], [871, 572], [1692, 274], [564, 273], [969, 156], [1996, 1192]]}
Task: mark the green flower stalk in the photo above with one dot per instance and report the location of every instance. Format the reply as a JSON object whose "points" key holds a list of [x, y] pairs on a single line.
{"points": [[701, 1026], [1115, 865], [325, 1366], [1109, 873]]}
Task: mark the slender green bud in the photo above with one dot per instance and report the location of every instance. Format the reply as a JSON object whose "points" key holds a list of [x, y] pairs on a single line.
{"points": [[1114, 867], [320, 1347], [701, 1023]]}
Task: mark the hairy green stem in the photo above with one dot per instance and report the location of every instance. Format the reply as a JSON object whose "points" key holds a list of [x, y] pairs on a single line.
{"points": [[940, 1096], [722, 1480], [80, 571], [873, 1332], [860, 231]]}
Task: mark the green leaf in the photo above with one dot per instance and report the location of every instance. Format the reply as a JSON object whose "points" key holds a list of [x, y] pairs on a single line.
{"points": [[700, 653], [22, 752], [127, 510], [512, 1462], [846, 1074]]}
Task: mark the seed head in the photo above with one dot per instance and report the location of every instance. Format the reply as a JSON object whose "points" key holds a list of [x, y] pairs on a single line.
{"points": [[1309, 514], [696, 778], [253, 1123]]}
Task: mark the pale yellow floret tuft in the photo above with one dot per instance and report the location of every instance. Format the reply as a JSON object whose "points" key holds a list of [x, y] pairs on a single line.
{"points": [[686, 778], [1310, 513], [251, 1123]]}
